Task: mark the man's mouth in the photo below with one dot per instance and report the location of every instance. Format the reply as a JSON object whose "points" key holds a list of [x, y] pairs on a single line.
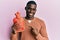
{"points": [[30, 14]]}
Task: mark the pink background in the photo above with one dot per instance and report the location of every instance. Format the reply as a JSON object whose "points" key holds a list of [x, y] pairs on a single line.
{"points": [[48, 10]]}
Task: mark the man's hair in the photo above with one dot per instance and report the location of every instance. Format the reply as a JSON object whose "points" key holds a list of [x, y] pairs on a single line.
{"points": [[31, 2]]}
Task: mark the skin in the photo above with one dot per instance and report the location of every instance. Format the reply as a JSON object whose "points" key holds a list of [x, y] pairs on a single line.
{"points": [[30, 11]]}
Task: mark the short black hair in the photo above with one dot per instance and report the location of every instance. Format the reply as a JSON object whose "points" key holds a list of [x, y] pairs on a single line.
{"points": [[31, 2]]}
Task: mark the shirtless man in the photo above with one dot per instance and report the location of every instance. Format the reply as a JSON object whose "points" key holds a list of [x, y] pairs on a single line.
{"points": [[35, 28]]}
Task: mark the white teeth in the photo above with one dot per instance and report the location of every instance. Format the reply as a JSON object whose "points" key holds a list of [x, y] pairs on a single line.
{"points": [[31, 14]]}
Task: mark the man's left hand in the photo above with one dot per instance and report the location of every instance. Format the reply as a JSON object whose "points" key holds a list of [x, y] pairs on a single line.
{"points": [[34, 31]]}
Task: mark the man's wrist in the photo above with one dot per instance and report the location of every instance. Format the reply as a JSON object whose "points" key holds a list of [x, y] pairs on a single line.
{"points": [[13, 31], [38, 36]]}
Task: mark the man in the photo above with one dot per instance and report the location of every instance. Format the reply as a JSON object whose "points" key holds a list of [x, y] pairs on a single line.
{"points": [[35, 28]]}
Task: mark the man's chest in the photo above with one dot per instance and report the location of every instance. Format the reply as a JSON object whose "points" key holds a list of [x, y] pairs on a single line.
{"points": [[34, 24]]}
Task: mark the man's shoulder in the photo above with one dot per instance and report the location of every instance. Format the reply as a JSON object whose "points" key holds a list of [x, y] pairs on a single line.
{"points": [[39, 19]]}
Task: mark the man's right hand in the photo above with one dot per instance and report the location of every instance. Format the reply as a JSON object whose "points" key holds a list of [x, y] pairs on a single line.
{"points": [[16, 28]]}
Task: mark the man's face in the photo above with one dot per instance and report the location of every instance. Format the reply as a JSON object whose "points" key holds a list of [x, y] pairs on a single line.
{"points": [[30, 10]]}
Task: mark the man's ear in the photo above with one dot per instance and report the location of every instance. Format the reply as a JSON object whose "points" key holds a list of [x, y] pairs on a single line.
{"points": [[25, 8]]}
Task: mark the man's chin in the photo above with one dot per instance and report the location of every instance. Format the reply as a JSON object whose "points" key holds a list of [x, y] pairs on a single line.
{"points": [[30, 16]]}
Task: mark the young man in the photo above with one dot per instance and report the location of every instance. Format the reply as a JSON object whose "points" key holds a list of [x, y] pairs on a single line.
{"points": [[35, 28]]}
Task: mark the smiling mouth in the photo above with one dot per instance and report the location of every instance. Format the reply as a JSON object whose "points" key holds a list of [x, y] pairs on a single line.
{"points": [[30, 14]]}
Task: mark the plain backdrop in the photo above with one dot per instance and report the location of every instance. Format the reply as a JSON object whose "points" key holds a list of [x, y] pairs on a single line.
{"points": [[48, 10]]}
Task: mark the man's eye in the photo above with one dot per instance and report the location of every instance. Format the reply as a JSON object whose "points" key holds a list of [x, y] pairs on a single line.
{"points": [[28, 8], [34, 9]]}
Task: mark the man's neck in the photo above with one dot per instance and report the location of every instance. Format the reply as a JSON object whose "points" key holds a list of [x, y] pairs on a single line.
{"points": [[29, 18]]}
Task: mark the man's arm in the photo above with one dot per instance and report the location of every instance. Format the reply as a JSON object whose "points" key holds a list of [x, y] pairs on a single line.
{"points": [[42, 35], [13, 35]]}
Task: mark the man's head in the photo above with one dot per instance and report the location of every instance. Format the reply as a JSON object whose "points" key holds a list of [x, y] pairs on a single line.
{"points": [[30, 9]]}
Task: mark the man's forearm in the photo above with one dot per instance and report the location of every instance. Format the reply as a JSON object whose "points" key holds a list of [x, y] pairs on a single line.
{"points": [[40, 37], [13, 36]]}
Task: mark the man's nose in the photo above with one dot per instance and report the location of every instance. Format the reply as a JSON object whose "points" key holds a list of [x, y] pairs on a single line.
{"points": [[31, 11]]}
